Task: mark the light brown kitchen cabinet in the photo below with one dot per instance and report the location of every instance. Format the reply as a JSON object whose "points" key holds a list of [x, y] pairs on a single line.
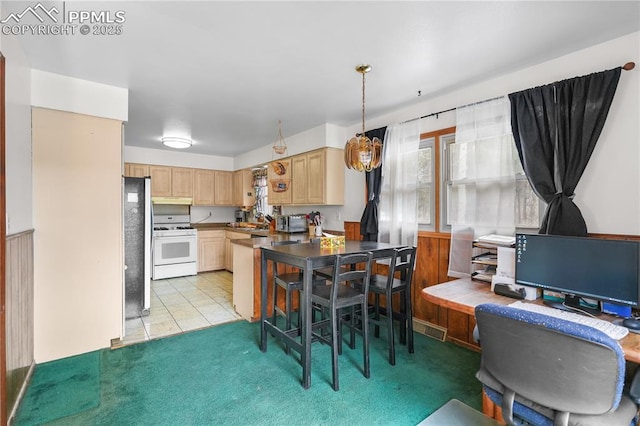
{"points": [[279, 182], [223, 194], [181, 182], [160, 181], [243, 192], [136, 170], [211, 250], [228, 253], [299, 180], [169, 181], [317, 177], [204, 187]]}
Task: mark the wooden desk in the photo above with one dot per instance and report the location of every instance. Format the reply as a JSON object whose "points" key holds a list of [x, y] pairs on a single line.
{"points": [[307, 257], [464, 295]]}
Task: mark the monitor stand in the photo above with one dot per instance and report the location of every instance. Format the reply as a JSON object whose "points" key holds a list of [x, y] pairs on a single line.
{"points": [[572, 304]]}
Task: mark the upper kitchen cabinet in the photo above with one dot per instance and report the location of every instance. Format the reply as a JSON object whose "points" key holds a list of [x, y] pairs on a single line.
{"points": [[169, 181], [317, 178], [243, 192], [181, 182], [279, 182], [136, 170], [204, 187], [160, 181], [223, 195]]}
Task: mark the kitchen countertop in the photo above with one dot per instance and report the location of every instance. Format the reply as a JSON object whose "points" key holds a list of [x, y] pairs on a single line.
{"points": [[225, 227], [260, 237], [258, 242]]}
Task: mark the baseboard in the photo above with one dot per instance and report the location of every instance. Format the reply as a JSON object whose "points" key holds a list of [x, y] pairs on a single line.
{"points": [[23, 390], [431, 330]]}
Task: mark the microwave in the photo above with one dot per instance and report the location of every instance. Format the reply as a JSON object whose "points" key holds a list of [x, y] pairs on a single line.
{"points": [[292, 223]]}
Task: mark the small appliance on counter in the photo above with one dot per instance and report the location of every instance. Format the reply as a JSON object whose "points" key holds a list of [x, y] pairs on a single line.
{"points": [[243, 215], [292, 223]]}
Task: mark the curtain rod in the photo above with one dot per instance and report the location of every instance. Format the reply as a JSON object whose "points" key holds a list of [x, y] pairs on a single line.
{"points": [[627, 67]]}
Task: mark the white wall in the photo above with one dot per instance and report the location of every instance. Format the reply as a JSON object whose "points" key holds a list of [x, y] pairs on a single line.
{"points": [[18, 136], [609, 191], [317, 137], [71, 94], [162, 157]]}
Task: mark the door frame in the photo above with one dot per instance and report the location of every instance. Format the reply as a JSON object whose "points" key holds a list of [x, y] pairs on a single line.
{"points": [[3, 248]]}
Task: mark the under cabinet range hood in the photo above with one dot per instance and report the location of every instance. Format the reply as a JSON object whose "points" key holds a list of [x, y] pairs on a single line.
{"points": [[173, 200]]}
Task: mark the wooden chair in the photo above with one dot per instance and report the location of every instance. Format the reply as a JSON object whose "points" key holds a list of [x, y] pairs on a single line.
{"points": [[344, 293], [290, 282], [402, 263]]}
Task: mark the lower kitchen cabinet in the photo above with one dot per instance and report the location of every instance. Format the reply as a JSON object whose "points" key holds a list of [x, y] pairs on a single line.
{"points": [[228, 256], [211, 250]]}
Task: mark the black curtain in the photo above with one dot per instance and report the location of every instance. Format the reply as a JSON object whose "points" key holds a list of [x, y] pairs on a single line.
{"points": [[369, 220], [556, 128]]}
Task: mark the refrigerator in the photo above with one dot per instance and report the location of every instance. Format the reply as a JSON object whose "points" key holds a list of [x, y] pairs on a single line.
{"points": [[138, 229]]}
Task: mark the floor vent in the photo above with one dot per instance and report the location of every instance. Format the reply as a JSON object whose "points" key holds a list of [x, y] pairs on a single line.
{"points": [[430, 330]]}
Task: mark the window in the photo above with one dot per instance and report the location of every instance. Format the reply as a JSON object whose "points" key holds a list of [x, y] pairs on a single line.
{"points": [[436, 190], [425, 184], [528, 206], [260, 186]]}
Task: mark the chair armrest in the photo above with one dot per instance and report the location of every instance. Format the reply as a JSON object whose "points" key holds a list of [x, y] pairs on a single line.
{"points": [[634, 388]]}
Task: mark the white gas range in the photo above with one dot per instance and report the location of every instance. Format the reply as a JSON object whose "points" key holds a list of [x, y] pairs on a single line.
{"points": [[175, 247]]}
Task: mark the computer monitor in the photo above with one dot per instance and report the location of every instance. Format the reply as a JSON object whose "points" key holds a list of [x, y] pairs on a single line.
{"points": [[577, 267]]}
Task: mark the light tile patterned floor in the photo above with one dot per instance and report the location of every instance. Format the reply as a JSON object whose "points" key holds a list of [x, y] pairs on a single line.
{"points": [[184, 304]]}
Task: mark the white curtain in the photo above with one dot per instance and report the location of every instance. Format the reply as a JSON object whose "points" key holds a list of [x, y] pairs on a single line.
{"points": [[481, 191], [397, 209]]}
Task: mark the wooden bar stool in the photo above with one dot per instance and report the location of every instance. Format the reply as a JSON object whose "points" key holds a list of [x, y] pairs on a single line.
{"points": [[402, 264], [290, 282]]}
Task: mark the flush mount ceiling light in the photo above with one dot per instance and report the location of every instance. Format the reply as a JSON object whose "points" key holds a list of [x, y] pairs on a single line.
{"points": [[179, 143], [279, 146], [360, 152]]}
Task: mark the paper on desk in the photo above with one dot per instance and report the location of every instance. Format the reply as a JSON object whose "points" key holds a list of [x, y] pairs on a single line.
{"points": [[506, 262], [498, 239]]}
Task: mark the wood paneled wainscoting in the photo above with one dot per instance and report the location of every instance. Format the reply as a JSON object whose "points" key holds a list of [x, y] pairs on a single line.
{"points": [[432, 263], [431, 268], [19, 316]]}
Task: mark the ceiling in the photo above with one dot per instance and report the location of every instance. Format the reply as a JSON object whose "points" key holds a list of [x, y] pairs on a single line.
{"points": [[224, 73]]}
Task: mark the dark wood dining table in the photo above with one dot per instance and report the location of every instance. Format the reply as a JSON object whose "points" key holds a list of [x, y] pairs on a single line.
{"points": [[308, 257]]}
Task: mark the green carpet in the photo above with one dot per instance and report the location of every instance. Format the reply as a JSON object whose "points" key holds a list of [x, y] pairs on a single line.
{"points": [[61, 388], [219, 376]]}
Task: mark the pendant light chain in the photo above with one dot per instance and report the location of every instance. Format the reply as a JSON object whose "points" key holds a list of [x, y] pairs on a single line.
{"points": [[363, 74]]}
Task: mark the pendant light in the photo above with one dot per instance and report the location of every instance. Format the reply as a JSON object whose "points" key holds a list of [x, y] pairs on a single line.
{"points": [[360, 152], [279, 146]]}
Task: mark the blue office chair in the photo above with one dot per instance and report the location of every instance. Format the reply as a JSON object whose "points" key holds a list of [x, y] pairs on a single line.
{"points": [[547, 371]]}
